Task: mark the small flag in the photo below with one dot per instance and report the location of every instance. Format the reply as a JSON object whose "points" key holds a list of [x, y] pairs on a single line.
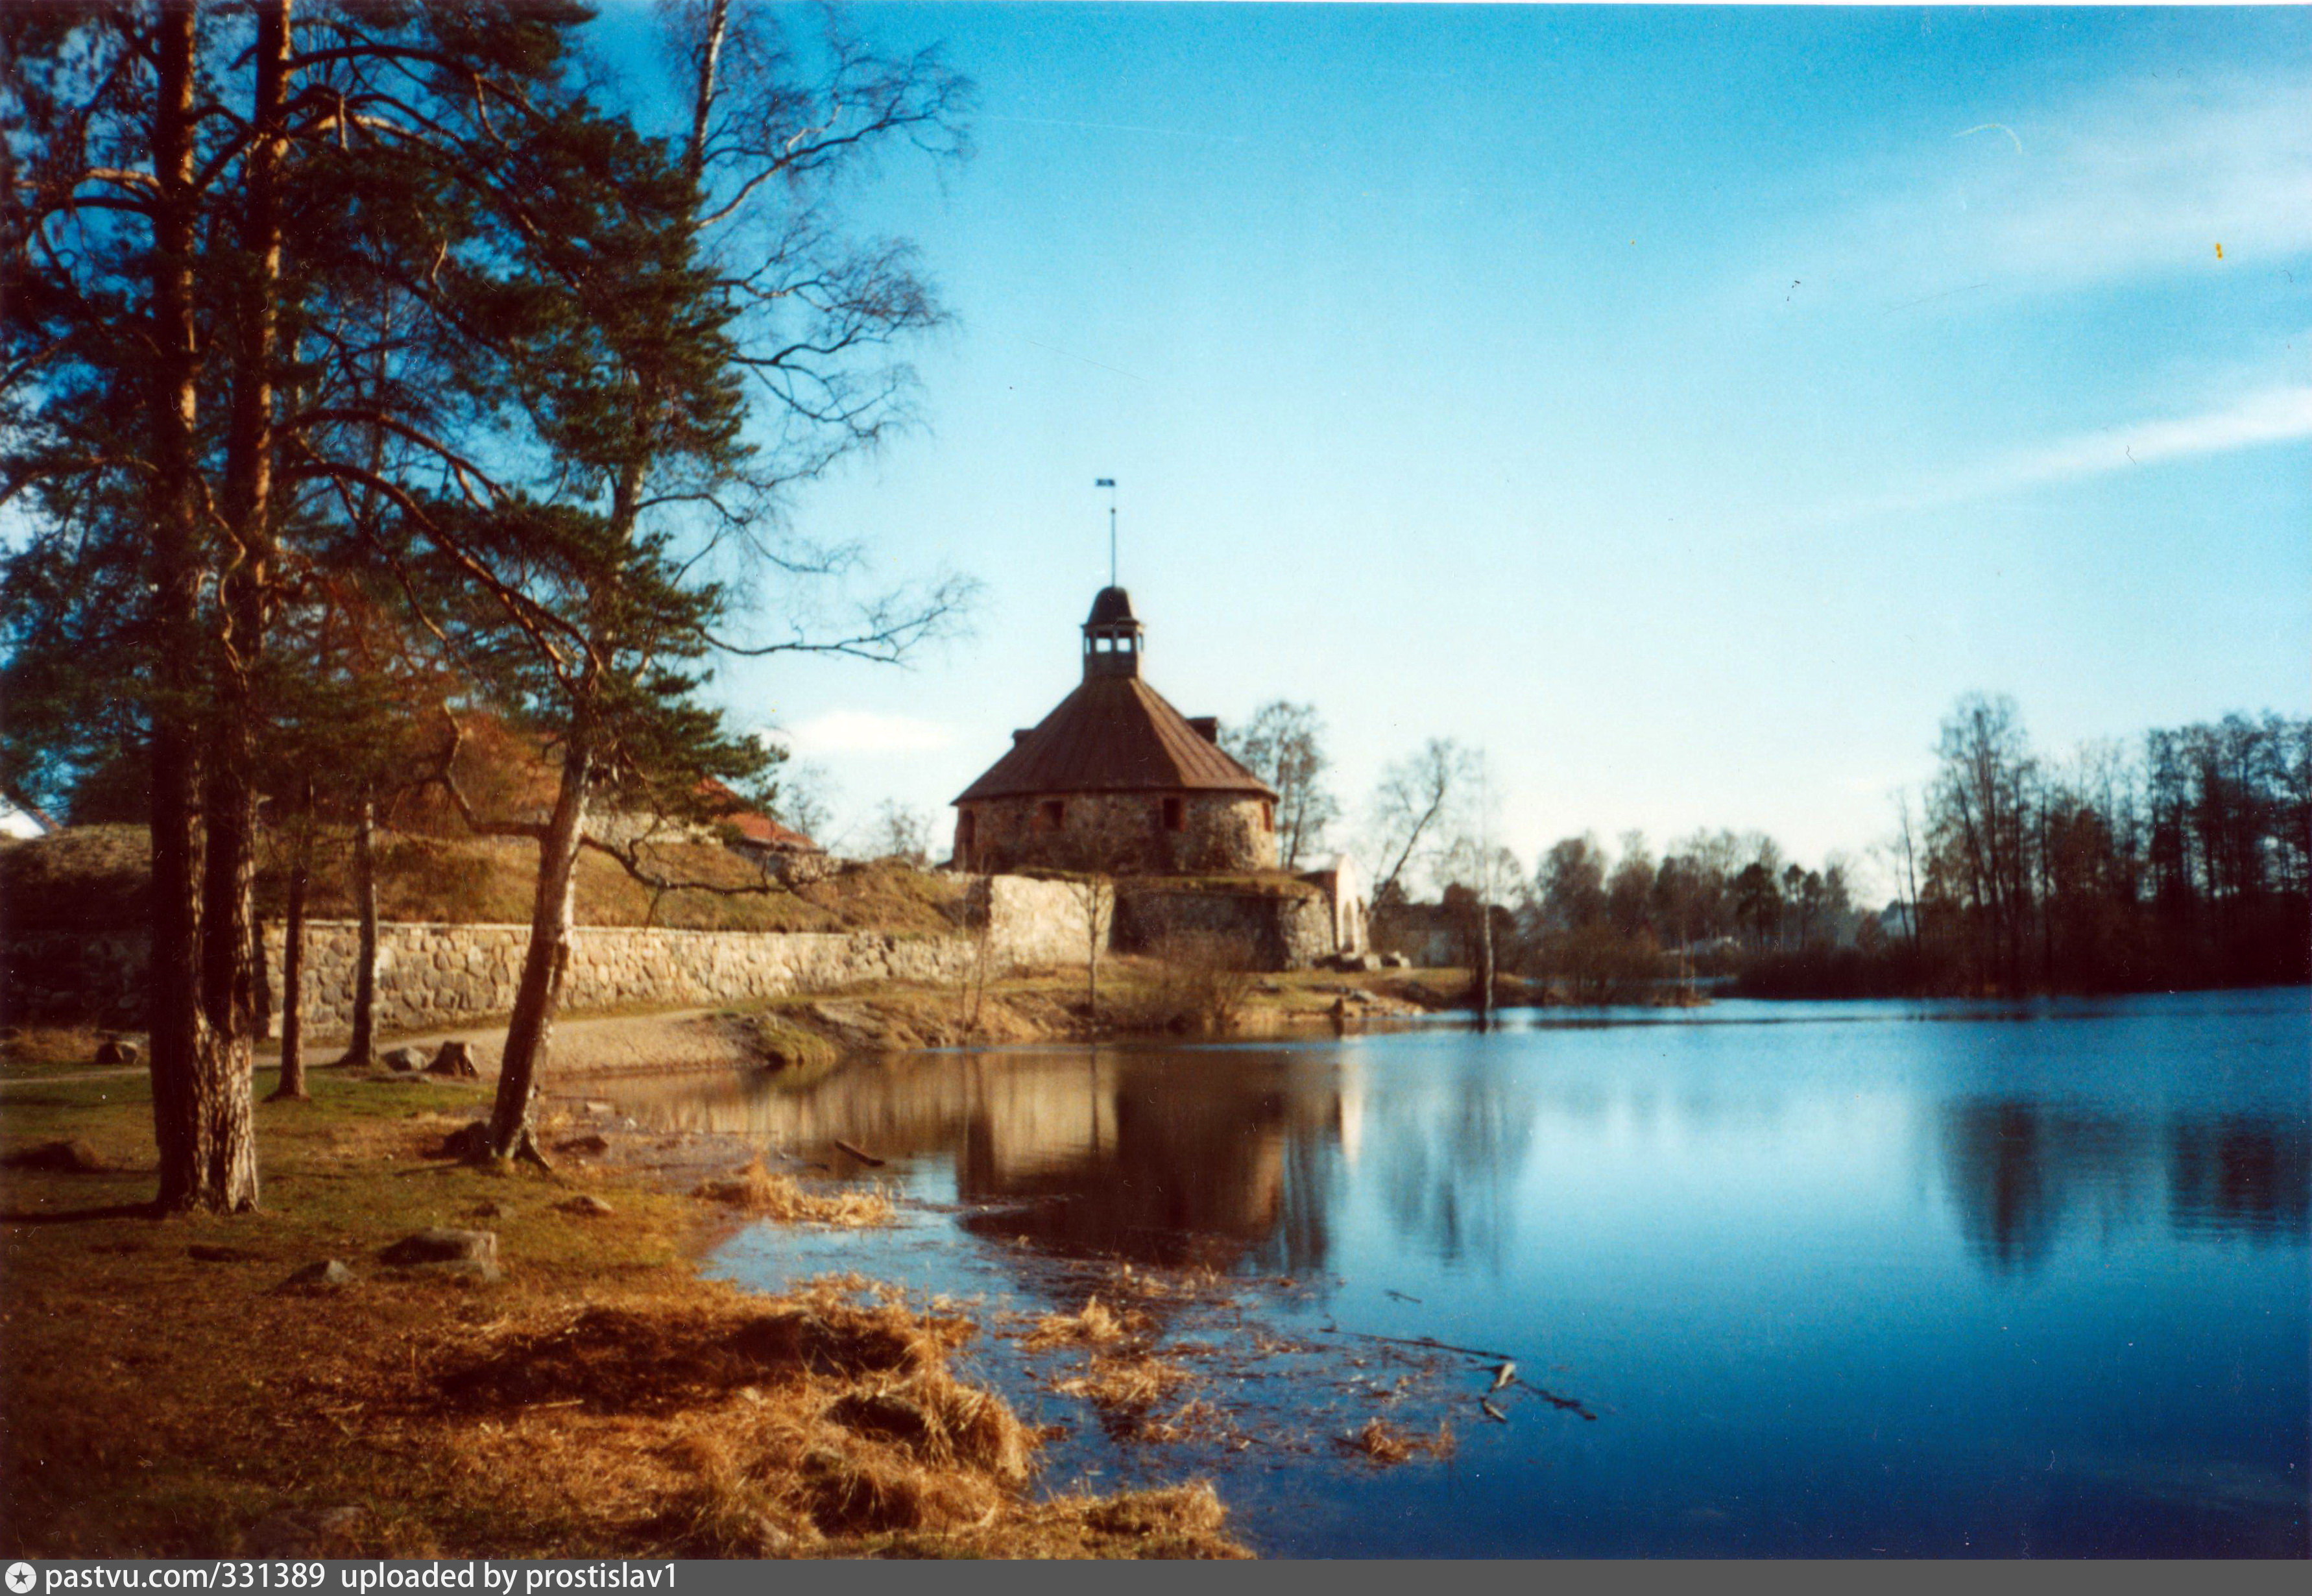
{"points": [[1105, 482]]}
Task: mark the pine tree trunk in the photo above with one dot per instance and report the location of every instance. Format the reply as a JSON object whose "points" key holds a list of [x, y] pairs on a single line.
{"points": [[361, 1052], [225, 1055], [292, 1084], [180, 1117], [545, 962]]}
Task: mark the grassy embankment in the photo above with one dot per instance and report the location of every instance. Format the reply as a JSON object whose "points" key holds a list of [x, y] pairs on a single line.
{"points": [[163, 1392], [94, 879]]}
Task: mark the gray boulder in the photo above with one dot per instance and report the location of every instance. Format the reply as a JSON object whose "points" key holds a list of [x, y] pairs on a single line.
{"points": [[442, 1245], [115, 1051], [328, 1274], [592, 1208], [404, 1058]]}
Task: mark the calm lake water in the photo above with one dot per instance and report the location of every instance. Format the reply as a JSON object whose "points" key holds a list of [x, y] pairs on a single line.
{"points": [[1835, 1278]]}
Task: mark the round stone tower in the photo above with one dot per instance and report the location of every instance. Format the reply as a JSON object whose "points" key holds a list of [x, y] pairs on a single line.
{"points": [[1115, 779]]}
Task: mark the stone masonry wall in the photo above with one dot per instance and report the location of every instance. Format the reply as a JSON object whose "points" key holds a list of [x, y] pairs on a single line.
{"points": [[1276, 932], [431, 975], [1220, 832], [1035, 924], [434, 977]]}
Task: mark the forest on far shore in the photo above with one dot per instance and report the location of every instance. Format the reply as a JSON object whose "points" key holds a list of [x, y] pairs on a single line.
{"points": [[2185, 861]]}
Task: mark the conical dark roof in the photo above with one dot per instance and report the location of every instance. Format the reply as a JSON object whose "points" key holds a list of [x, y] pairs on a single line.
{"points": [[1108, 605], [1115, 734]]}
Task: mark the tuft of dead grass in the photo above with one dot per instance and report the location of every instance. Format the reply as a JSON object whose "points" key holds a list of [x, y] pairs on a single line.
{"points": [[1191, 1509], [1127, 1383], [1093, 1324], [30, 1048], [638, 1360], [759, 1191], [1387, 1444]]}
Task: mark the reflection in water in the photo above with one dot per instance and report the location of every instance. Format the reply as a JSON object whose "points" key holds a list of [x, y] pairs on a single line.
{"points": [[2239, 1174], [2016, 1168], [1446, 1163], [1236, 1159], [1098, 1153], [2019, 1172], [1841, 1282]]}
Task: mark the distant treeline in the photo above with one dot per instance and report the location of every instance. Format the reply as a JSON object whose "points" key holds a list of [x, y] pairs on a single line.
{"points": [[2185, 861]]}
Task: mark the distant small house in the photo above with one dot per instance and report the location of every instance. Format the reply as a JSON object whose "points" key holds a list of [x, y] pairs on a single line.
{"points": [[761, 838], [1432, 935], [780, 850]]}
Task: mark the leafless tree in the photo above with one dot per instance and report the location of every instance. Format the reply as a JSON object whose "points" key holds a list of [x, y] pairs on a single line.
{"points": [[1415, 810], [1284, 745]]}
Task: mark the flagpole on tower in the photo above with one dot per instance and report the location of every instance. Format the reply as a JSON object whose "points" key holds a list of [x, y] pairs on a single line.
{"points": [[1110, 483]]}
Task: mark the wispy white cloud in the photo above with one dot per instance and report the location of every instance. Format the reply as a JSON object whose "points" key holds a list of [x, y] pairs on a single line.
{"points": [[2269, 416], [2138, 177], [867, 731]]}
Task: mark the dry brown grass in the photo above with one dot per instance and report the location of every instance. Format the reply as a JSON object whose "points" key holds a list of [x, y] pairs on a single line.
{"points": [[1093, 1324], [1127, 1383], [94, 879], [759, 1191], [1387, 1444], [31, 1050], [161, 1394]]}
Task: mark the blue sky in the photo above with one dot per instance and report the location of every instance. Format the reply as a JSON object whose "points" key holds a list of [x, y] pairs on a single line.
{"points": [[1684, 404]]}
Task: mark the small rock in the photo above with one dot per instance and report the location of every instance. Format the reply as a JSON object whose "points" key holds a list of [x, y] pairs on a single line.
{"points": [[71, 1157], [489, 1208], [596, 1106], [590, 1206], [466, 1270], [119, 1052], [442, 1245], [404, 1058], [328, 1274], [454, 1060], [585, 1143], [306, 1533]]}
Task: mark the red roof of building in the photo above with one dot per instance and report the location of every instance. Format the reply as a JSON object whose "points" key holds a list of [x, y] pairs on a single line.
{"points": [[1113, 734], [758, 828]]}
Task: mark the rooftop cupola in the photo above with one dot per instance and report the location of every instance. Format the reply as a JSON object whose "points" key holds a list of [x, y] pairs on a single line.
{"points": [[1111, 636]]}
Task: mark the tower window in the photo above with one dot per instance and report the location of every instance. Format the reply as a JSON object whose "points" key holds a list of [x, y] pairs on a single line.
{"points": [[1051, 814], [1268, 815], [1175, 814]]}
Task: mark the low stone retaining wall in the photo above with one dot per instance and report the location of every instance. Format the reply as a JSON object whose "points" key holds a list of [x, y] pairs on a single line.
{"points": [[1276, 931], [436, 976], [433, 976]]}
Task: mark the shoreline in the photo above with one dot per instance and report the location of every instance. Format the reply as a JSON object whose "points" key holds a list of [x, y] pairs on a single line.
{"points": [[198, 1386]]}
